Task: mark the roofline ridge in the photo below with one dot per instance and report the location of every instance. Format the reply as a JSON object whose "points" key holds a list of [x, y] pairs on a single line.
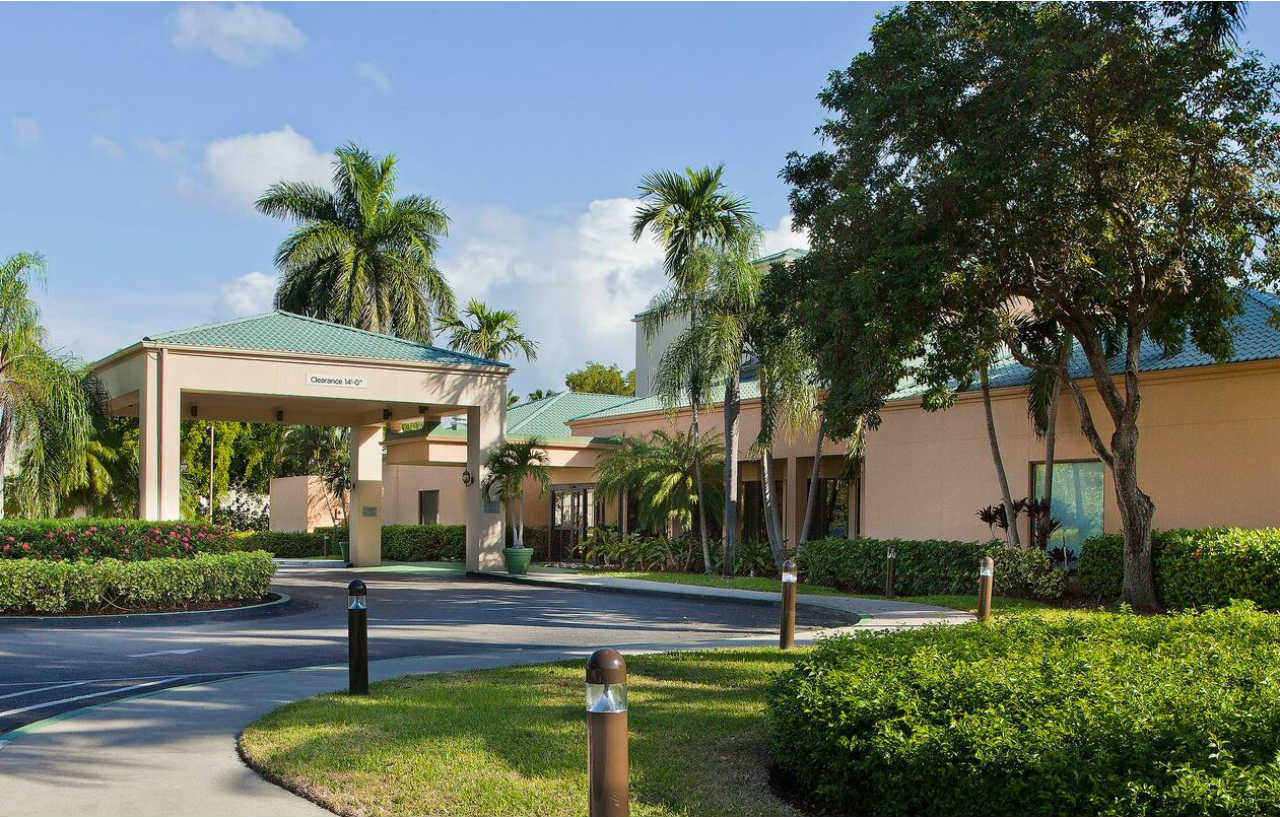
{"points": [[553, 398], [628, 402], [213, 325], [406, 341]]}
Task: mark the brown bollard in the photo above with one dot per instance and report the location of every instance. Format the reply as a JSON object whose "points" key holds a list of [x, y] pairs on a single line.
{"points": [[787, 632], [890, 559], [986, 581], [607, 770]]}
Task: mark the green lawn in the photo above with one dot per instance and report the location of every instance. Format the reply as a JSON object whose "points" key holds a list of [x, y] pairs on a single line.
{"points": [[999, 604], [513, 741]]}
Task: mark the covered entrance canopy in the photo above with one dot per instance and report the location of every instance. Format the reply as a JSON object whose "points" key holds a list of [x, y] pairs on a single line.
{"points": [[286, 368]]}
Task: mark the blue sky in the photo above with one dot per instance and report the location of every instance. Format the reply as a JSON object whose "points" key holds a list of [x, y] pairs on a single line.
{"points": [[134, 137]]}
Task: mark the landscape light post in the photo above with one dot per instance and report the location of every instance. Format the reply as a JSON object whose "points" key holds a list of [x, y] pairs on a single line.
{"points": [[358, 637], [607, 769], [890, 560], [787, 633], [986, 581]]}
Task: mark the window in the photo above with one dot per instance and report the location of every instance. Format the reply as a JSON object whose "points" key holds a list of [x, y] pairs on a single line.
{"points": [[428, 507], [830, 509], [1076, 503]]}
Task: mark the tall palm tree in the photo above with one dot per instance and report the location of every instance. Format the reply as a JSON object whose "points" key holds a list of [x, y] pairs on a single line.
{"points": [[45, 404], [715, 343], [661, 470], [509, 466], [687, 212], [360, 256], [489, 333]]}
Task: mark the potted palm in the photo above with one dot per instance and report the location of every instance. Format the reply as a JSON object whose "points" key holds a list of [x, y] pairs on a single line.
{"points": [[511, 466]]}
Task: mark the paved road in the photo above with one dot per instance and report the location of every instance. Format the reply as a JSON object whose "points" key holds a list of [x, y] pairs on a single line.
{"points": [[50, 668]]}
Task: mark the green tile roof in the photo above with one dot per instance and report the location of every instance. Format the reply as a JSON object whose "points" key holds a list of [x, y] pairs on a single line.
{"points": [[1255, 339], [287, 332], [546, 418]]}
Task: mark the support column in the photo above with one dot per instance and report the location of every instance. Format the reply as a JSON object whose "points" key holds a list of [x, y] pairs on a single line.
{"points": [[486, 428], [149, 438], [364, 513], [159, 439]]}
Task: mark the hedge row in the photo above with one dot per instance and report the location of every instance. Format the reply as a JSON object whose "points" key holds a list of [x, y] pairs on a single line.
{"points": [[1085, 713], [1193, 568], [400, 543], [47, 586], [926, 567], [123, 539]]}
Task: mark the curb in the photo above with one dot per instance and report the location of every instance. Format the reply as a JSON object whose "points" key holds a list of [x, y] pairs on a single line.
{"points": [[658, 590], [277, 606]]}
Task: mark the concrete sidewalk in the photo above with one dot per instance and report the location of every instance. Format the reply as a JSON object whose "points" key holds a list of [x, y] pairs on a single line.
{"points": [[874, 614], [173, 753]]}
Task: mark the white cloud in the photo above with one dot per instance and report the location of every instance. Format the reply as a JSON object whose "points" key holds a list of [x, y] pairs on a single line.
{"points": [[26, 131], [240, 34], [107, 147], [238, 169], [576, 281], [168, 152], [374, 75], [784, 237], [250, 294]]}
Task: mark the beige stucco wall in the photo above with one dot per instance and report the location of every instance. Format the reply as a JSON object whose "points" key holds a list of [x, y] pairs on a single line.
{"points": [[299, 504]]}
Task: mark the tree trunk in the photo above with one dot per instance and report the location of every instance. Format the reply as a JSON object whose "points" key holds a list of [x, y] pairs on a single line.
{"points": [[697, 484], [1005, 497], [811, 499], [1051, 438], [772, 523], [1136, 512], [731, 411]]}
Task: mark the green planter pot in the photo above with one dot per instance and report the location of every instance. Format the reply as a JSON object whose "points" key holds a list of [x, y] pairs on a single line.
{"points": [[344, 545], [517, 560]]}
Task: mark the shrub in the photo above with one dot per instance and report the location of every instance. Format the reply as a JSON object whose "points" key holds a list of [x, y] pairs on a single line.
{"points": [[49, 586], [124, 539], [926, 567], [1087, 713], [1193, 568], [400, 543]]}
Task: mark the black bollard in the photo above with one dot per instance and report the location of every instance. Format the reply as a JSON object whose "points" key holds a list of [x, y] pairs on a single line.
{"points": [[358, 637]]}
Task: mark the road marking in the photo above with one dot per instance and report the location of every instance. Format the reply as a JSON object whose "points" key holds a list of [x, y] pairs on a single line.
{"points": [[164, 652], [41, 689], [114, 691]]}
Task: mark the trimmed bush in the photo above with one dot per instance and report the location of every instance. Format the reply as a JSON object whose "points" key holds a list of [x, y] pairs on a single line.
{"points": [[1193, 568], [400, 543], [124, 539], [49, 586], [1085, 713], [927, 567]]}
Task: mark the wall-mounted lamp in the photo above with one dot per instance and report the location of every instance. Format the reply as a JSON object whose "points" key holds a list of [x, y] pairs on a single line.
{"points": [[279, 415], [423, 409], [467, 478], [386, 414], [194, 411]]}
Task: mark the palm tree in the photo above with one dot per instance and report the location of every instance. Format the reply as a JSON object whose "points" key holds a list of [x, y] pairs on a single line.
{"points": [[489, 333], [45, 400], [661, 470], [688, 212], [360, 256], [715, 343], [509, 466]]}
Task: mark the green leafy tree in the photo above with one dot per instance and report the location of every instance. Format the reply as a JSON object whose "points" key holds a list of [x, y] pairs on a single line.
{"points": [[46, 402], [493, 334], [660, 470], [109, 466], [509, 466], [360, 256], [195, 452], [541, 394], [324, 451], [1111, 167], [694, 218], [597, 378]]}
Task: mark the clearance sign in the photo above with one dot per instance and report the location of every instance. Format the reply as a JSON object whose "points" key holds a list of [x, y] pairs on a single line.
{"points": [[340, 380]]}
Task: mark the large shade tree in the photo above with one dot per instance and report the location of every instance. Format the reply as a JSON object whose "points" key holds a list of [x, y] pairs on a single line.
{"points": [[694, 217], [1109, 167], [359, 255]]}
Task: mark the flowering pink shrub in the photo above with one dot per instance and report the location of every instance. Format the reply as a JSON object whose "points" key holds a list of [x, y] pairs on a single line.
{"points": [[124, 539]]}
